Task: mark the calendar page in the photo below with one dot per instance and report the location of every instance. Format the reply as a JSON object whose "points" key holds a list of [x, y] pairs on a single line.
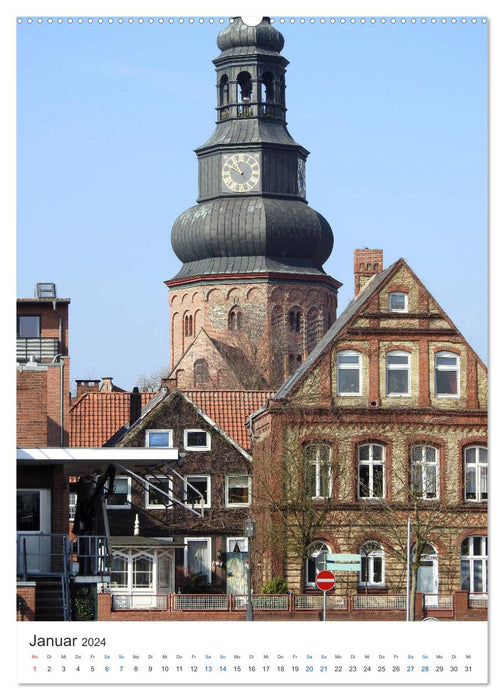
{"points": [[252, 398]]}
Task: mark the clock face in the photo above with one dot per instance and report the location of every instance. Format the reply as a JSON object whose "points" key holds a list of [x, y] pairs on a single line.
{"points": [[241, 172]]}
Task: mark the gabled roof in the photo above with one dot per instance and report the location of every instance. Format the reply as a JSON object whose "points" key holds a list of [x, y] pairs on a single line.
{"points": [[234, 358], [98, 416], [351, 310]]}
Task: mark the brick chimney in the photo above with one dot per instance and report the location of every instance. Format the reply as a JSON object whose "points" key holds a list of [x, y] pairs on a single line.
{"points": [[84, 385], [367, 263]]}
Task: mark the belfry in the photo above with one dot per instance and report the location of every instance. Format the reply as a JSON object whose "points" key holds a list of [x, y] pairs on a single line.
{"points": [[251, 299]]}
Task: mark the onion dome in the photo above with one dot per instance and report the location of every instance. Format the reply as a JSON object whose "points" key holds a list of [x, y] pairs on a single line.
{"points": [[238, 35], [249, 233]]}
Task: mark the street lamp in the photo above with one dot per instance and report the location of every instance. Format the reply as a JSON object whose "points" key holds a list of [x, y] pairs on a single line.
{"points": [[249, 532]]}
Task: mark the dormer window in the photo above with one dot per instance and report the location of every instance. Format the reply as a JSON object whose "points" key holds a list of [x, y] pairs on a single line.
{"points": [[398, 302]]}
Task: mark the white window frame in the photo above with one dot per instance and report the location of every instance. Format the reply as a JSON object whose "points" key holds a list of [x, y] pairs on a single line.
{"points": [[126, 505], [169, 490], [316, 559], [472, 559], [192, 448], [152, 572], [169, 432], [448, 368], [421, 467], [371, 552], [317, 463], [245, 477], [341, 367], [391, 308], [479, 468], [125, 571], [129, 556], [371, 463], [391, 366], [188, 490]]}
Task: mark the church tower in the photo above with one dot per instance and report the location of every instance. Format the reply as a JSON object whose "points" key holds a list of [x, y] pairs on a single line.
{"points": [[251, 299]]}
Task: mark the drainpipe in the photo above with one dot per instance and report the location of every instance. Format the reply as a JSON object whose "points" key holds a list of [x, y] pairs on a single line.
{"points": [[61, 364]]}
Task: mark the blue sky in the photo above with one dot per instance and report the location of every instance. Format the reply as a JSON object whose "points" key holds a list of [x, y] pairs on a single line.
{"points": [[394, 116]]}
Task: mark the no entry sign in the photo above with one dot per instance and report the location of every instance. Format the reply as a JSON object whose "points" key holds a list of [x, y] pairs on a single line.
{"points": [[325, 580]]}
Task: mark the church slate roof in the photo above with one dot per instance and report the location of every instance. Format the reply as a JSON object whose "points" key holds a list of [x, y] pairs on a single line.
{"points": [[245, 229]]}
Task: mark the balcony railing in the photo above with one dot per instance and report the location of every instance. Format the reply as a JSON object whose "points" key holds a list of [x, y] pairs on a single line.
{"points": [[38, 348], [40, 554]]}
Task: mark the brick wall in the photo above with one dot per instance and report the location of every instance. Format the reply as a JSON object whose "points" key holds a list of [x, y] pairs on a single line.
{"points": [[25, 602], [31, 408], [263, 334]]}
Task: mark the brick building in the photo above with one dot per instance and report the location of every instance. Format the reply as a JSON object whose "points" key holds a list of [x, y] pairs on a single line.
{"points": [[385, 422], [43, 369]]}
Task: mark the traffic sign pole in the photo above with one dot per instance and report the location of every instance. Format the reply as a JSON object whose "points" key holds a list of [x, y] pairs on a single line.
{"points": [[325, 581]]}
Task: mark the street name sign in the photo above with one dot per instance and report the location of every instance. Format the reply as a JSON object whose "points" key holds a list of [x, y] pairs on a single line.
{"points": [[343, 562]]}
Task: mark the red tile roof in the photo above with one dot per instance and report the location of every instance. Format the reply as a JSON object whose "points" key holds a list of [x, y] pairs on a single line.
{"points": [[231, 409], [96, 416]]}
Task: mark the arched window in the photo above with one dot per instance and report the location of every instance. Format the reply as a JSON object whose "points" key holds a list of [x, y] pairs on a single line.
{"points": [[349, 368], [235, 319], [398, 365], [244, 86], [315, 562], [424, 472], [294, 320], [312, 329], [268, 87], [318, 471], [476, 468], [188, 325], [201, 374], [267, 96], [473, 565], [224, 91], [371, 471], [244, 81], [372, 572], [446, 374]]}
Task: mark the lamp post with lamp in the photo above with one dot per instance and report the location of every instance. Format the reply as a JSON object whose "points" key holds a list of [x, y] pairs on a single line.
{"points": [[249, 532]]}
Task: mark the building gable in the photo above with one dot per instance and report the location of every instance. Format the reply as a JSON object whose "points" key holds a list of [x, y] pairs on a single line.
{"points": [[393, 345]]}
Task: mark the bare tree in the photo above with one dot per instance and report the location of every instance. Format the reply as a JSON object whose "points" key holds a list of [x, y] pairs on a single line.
{"points": [[419, 510]]}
